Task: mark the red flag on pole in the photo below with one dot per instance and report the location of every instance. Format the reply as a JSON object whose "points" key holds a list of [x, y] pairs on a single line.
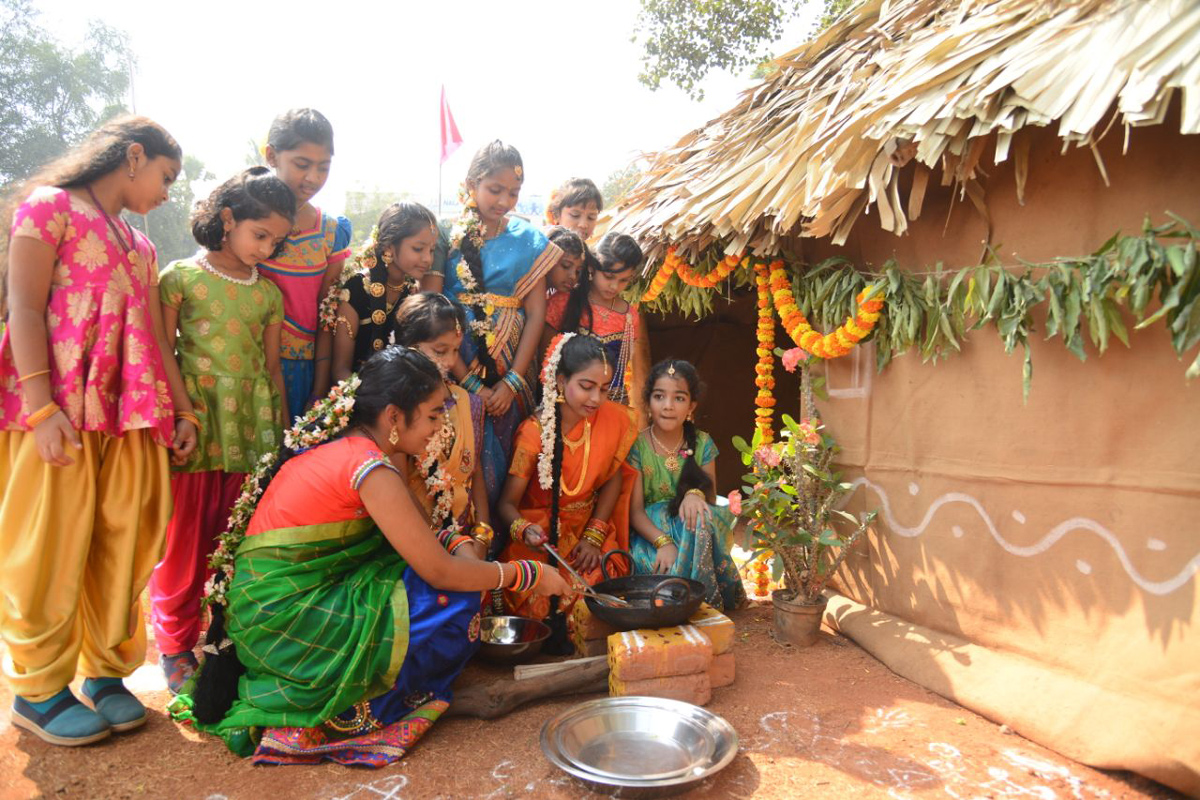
{"points": [[451, 139]]}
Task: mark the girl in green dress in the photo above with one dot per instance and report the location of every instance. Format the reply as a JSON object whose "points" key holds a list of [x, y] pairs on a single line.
{"points": [[680, 530], [223, 321]]}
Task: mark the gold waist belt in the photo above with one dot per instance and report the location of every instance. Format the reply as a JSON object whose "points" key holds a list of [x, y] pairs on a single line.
{"points": [[497, 300]]}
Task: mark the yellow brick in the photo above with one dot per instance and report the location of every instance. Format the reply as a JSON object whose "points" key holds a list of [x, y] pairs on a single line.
{"points": [[658, 653], [715, 626], [688, 688]]}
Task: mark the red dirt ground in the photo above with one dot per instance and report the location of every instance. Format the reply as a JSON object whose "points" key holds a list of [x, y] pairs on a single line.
{"points": [[828, 721]]}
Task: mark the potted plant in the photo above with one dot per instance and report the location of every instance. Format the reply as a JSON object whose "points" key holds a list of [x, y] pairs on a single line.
{"points": [[789, 505]]}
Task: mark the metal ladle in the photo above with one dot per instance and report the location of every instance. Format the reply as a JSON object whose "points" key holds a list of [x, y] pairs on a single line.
{"points": [[607, 599]]}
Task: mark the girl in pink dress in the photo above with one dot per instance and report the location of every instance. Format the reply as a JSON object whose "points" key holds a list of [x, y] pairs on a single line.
{"points": [[91, 400]]}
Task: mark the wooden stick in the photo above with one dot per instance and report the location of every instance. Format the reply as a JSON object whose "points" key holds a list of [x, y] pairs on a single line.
{"points": [[497, 698], [523, 672]]}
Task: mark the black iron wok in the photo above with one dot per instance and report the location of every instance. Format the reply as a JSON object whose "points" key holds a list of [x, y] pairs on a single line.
{"points": [[657, 601]]}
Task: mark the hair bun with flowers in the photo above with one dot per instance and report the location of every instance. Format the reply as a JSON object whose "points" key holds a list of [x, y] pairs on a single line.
{"points": [[546, 414]]}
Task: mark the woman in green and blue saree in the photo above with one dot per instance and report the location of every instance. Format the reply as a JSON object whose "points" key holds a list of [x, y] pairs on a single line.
{"points": [[340, 617]]}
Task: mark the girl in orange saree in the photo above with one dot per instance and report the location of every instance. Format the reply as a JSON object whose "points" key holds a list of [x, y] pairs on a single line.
{"points": [[569, 484]]}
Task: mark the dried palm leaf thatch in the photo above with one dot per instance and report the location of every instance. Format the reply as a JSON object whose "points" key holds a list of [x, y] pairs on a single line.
{"points": [[826, 135]]}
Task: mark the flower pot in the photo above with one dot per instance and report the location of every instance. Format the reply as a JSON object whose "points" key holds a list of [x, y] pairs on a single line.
{"points": [[797, 623]]}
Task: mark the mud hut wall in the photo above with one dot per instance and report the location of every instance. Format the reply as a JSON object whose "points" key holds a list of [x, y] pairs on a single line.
{"points": [[1062, 529]]}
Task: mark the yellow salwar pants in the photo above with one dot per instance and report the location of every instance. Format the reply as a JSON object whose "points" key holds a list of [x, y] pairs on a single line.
{"points": [[77, 546]]}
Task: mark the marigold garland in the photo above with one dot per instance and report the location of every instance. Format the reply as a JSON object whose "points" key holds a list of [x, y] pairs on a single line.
{"points": [[662, 277], [762, 576], [764, 370], [710, 280], [830, 345], [674, 265]]}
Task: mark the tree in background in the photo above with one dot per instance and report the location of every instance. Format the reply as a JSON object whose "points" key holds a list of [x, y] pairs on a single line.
{"points": [[168, 225], [53, 96], [618, 183], [364, 207], [683, 39]]}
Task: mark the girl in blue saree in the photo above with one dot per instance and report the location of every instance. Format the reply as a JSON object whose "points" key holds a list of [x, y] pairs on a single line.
{"points": [[496, 268], [340, 620], [680, 530]]}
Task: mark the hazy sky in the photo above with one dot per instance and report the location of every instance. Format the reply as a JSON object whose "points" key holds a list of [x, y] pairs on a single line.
{"points": [[557, 80]]}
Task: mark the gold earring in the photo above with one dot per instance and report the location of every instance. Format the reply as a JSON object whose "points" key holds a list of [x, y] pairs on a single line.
{"points": [[394, 437], [387, 258], [691, 416], [560, 400]]}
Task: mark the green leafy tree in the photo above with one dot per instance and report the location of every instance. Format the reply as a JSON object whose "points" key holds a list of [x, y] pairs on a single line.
{"points": [[618, 183], [53, 96], [364, 207], [168, 225], [682, 40]]}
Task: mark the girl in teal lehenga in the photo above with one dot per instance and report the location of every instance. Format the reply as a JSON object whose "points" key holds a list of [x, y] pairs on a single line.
{"points": [[680, 530]]}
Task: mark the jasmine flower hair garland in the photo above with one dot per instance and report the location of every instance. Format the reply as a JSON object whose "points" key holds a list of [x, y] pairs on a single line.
{"points": [[546, 415]]}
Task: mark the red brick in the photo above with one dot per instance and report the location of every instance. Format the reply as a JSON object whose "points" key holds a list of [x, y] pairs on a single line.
{"points": [[688, 688], [722, 670]]}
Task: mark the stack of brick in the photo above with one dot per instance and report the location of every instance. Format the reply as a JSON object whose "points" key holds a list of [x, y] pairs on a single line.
{"points": [[684, 662]]}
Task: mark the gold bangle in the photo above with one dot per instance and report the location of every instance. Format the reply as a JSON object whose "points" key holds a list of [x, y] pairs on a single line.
{"points": [[663, 541], [42, 414], [698, 492], [594, 536], [188, 416], [483, 533], [23, 378]]}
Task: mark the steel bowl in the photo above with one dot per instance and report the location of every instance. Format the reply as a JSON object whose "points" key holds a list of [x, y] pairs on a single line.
{"points": [[510, 640], [639, 746]]}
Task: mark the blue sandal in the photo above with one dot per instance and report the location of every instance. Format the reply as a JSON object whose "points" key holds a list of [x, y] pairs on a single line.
{"points": [[61, 720], [111, 700]]}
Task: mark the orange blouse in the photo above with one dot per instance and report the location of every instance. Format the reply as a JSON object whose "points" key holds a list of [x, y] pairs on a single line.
{"points": [[600, 446]]}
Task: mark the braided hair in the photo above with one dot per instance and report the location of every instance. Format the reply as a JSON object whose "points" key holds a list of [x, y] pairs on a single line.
{"points": [[615, 254], [398, 222], [691, 476], [578, 353], [395, 376], [490, 159]]}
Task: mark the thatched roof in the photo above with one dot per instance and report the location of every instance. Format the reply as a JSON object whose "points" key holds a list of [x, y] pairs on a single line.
{"points": [[924, 80]]}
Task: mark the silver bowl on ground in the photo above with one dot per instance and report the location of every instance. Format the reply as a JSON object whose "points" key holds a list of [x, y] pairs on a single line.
{"points": [[509, 640], [639, 746]]}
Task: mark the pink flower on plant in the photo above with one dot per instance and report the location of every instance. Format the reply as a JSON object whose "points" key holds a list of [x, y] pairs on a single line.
{"points": [[808, 432], [767, 456], [791, 358], [735, 503]]}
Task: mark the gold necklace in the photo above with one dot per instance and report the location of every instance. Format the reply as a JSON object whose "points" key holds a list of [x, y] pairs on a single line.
{"points": [[670, 456], [587, 432], [586, 438]]}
